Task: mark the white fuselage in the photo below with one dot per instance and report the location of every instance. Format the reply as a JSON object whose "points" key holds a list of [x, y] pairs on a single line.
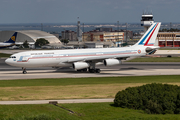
{"points": [[6, 44], [62, 58]]}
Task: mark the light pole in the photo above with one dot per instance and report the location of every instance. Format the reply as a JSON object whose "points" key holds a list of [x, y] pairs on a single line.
{"points": [[118, 29], [126, 32]]}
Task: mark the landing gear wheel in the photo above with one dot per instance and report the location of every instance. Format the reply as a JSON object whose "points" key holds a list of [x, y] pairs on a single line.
{"points": [[24, 71], [92, 70], [85, 70], [82, 70], [98, 70]]}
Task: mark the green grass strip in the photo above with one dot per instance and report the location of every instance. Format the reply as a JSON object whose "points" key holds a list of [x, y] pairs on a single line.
{"points": [[83, 111], [88, 81], [4, 55]]}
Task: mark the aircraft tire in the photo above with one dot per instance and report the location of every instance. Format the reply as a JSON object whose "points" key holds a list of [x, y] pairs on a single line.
{"points": [[92, 70], [98, 70]]}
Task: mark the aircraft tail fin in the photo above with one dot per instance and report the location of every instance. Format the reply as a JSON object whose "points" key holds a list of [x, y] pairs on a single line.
{"points": [[149, 38], [12, 39]]}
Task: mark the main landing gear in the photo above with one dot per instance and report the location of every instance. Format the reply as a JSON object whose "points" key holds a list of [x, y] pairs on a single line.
{"points": [[91, 69], [24, 70], [94, 70]]}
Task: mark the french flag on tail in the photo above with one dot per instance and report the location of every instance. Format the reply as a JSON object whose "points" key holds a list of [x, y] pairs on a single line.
{"points": [[149, 38]]}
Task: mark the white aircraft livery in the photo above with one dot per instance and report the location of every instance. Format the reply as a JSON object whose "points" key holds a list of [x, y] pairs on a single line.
{"points": [[10, 42], [86, 59]]}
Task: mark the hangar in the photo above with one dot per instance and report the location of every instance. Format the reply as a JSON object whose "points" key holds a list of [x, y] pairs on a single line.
{"points": [[30, 35]]}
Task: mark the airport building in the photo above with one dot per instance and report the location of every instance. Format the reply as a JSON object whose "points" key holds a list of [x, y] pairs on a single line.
{"points": [[69, 35], [168, 39], [30, 35], [103, 36], [90, 44]]}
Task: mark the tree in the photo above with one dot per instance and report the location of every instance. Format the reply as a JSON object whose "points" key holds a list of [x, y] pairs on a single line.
{"points": [[65, 41], [40, 42], [124, 44], [153, 98], [26, 44]]}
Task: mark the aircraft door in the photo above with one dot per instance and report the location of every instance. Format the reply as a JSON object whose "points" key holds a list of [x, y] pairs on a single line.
{"points": [[25, 59]]}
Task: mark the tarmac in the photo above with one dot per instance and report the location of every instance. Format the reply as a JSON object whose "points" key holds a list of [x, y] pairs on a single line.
{"points": [[37, 74]]}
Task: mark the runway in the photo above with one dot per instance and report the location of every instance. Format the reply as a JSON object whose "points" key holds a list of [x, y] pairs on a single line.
{"points": [[126, 69]]}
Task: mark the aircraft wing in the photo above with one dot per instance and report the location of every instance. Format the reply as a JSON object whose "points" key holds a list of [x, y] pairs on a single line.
{"points": [[95, 58]]}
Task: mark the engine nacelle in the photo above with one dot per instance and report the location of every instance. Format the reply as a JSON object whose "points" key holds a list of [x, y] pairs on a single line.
{"points": [[110, 62], [80, 65]]}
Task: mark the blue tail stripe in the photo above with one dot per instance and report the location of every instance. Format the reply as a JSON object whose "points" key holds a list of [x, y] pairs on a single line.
{"points": [[141, 42]]}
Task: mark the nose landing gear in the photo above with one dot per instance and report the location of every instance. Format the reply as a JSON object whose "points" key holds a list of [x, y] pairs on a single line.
{"points": [[24, 70]]}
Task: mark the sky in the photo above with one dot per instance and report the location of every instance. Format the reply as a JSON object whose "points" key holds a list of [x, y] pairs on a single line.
{"points": [[88, 11]]}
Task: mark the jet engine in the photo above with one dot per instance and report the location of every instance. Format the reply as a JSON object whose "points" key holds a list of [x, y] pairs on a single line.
{"points": [[80, 65], [110, 62]]}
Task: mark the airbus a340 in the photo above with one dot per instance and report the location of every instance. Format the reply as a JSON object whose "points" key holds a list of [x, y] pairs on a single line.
{"points": [[86, 59]]}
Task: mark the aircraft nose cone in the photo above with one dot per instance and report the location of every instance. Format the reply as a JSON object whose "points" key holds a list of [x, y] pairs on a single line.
{"points": [[8, 61]]}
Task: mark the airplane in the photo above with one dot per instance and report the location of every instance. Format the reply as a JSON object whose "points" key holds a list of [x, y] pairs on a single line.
{"points": [[10, 42], [86, 59]]}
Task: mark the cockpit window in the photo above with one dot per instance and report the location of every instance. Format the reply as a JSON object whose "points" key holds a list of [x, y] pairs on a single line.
{"points": [[12, 57]]}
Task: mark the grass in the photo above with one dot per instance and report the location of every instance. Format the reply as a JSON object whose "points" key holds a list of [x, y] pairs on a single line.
{"points": [[4, 55], [31, 111], [75, 88], [83, 111], [156, 59], [88, 81]]}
